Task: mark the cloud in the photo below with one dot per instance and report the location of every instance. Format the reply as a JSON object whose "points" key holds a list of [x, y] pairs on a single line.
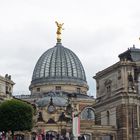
{"points": [[96, 31]]}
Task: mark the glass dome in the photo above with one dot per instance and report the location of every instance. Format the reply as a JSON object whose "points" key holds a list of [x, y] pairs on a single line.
{"points": [[58, 65]]}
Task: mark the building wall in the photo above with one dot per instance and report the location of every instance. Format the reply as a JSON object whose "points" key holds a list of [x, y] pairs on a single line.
{"points": [[2, 86], [64, 87], [6, 87], [119, 105]]}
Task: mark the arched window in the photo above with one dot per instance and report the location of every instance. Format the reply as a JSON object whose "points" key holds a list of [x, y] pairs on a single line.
{"points": [[108, 117], [88, 114]]}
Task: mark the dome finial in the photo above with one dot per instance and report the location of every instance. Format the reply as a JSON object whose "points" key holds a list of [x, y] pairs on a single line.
{"points": [[59, 30]]}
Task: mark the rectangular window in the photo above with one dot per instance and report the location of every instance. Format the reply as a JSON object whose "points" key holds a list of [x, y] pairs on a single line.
{"points": [[58, 88], [119, 74], [38, 89], [108, 88], [78, 90]]}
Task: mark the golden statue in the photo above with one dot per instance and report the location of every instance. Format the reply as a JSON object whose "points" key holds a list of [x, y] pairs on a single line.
{"points": [[59, 30]]}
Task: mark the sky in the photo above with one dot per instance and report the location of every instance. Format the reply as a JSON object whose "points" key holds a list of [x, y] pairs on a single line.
{"points": [[97, 31]]}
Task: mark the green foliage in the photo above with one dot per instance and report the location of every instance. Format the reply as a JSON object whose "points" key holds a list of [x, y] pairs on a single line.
{"points": [[15, 115]]}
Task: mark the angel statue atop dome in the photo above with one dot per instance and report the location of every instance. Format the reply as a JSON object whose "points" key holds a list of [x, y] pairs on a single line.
{"points": [[59, 30]]}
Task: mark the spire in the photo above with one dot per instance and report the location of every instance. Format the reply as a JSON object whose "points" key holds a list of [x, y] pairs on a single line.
{"points": [[59, 30]]}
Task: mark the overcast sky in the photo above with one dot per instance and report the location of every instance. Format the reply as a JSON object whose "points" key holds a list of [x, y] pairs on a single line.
{"points": [[97, 31]]}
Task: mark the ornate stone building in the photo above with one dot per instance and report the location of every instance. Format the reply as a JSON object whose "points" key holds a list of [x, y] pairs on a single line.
{"points": [[6, 87], [118, 96], [59, 88], [59, 91]]}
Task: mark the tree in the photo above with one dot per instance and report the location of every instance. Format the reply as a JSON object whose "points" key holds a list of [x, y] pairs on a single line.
{"points": [[15, 115]]}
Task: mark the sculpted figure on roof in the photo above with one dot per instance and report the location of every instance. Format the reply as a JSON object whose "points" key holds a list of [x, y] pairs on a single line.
{"points": [[59, 29]]}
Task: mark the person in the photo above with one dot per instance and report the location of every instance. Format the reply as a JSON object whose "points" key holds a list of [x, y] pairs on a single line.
{"points": [[0, 135]]}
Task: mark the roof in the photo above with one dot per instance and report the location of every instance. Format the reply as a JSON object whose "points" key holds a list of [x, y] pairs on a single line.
{"points": [[132, 54], [60, 98], [59, 65]]}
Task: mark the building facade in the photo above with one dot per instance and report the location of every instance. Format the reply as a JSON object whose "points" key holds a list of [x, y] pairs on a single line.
{"points": [[65, 111], [6, 87], [59, 88], [118, 100], [114, 114], [59, 91]]}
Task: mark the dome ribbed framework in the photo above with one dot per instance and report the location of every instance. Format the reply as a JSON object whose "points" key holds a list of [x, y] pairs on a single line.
{"points": [[58, 64]]}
